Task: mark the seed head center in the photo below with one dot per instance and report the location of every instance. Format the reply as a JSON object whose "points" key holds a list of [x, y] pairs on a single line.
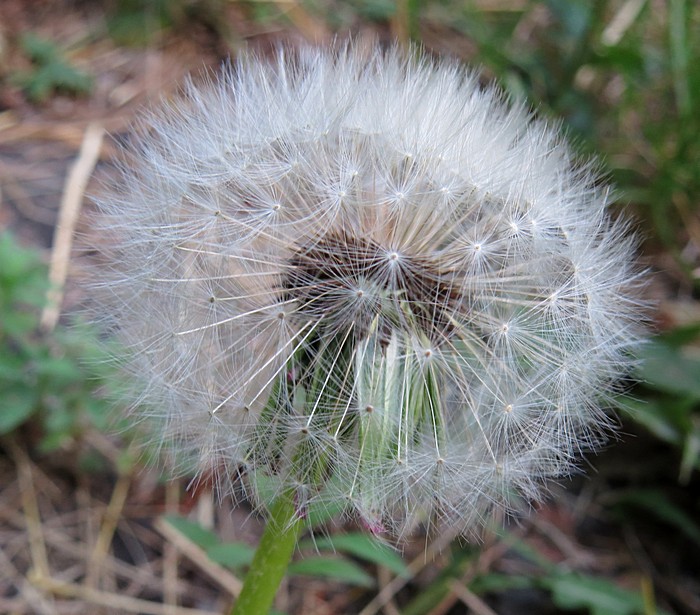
{"points": [[344, 279]]}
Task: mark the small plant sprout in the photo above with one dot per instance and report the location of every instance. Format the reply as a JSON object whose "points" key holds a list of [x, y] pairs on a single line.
{"points": [[360, 279]]}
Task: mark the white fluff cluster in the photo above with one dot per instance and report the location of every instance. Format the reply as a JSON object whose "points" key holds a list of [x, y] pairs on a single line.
{"points": [[366, 278]]}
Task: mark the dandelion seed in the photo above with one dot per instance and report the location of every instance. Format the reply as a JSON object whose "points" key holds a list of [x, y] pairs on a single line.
{"points": [[368, 279]]}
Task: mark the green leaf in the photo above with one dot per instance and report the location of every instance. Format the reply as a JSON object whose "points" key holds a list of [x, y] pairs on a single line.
{"points": [[658, 416], [52, 441], [674, 369], [333, 568], [362, 546], [231, 554], [59, 419], [38, 50], [321, 512], [678, 12], [195, 532], [376, 10], [598, 596], [51, 71], [438, 588], [496, 582], [691, 451], [136, 22], [16, 324], [573, 15], [14, 369], [18, 405], [61, 370], [656, 502]]}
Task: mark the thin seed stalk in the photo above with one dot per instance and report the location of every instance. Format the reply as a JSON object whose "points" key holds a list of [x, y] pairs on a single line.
{"points": [[271, 558], [406, 392], [282, 530]]}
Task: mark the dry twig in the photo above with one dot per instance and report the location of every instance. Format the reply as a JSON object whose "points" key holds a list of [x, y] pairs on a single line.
{"points": [[106, 533], [68, 217], [471, 600], [126, 604], [32, 516], [418, 563], [188, 548], [170, 555]]}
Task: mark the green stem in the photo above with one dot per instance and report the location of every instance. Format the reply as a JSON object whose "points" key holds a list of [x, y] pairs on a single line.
{"points": [[271, 559]]}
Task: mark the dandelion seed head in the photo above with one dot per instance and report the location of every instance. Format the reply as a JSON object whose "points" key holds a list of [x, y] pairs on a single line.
{"points": [[367, 278]]}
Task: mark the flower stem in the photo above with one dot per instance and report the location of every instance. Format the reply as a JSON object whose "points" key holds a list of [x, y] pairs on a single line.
{"points": [[271, 558]]}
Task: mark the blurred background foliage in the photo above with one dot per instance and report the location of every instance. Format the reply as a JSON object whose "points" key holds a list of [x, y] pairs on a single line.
{"points": [[53, 382], [623, 76]]}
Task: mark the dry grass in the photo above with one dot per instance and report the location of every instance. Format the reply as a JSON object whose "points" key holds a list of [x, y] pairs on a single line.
{"points": [[93, 547]]}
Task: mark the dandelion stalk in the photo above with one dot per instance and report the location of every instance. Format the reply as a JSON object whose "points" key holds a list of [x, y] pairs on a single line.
{"points": [[271, 559]]}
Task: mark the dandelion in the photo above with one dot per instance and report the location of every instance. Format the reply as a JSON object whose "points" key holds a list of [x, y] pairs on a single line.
{"points": [[368, 281]]}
